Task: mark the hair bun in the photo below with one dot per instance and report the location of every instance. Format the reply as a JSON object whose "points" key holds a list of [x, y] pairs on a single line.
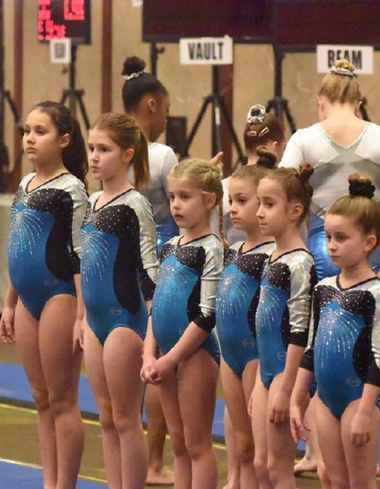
{"points": [[133, 67], [305, 171], [256, 114], [344, 64], [266, 159], [361, 186], [343, 67]]}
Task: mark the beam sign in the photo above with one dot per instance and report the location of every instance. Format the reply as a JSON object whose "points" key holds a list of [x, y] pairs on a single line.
{"points": [[360, 56], [206, 51]]}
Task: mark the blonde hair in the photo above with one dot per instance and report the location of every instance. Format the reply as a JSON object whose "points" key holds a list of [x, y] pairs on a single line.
{"points": [[296, 185], [204, 177], [359, 205], [341, 84], [124, 131]]}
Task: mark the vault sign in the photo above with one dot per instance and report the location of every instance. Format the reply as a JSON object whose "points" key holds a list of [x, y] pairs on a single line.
{"points": [[206, 51], [360, 56]]}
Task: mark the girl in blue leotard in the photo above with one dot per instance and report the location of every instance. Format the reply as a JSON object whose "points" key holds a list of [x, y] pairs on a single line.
{"points": [[183, 316], [236, 306], [41, 310], [344, 343], [119, 270], [282, 320]]}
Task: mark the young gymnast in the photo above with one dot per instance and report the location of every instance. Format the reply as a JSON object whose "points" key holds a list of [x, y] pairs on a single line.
{"points": [[265, 130], [183, 316], [282, 319], [41, 309], [236, 306], [146, 99], [344, 348], [119, 269]]}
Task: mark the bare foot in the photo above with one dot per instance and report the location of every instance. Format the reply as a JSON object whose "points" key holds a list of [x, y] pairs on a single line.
{"points": [[164, 477], [232, 485], [305, 465]]}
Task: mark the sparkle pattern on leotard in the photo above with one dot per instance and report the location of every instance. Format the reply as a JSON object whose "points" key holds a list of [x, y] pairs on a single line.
{"points": [[95, 254], [25, 231]]}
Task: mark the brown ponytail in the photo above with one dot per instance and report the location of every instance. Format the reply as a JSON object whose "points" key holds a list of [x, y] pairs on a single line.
{"points": [[124, 131]]}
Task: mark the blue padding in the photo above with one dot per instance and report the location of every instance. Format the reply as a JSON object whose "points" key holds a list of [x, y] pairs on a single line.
{"points": [[18, 476], [14, 385]]}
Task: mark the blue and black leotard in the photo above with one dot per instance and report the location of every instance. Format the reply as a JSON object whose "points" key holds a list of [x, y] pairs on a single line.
{"points": [[344, 341], [283, 312], [186, 290], [119, 263], [236, 303], [44, 240]]}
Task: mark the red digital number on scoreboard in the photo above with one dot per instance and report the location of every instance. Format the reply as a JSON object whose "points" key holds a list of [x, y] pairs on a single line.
{"points": [[54, 16]]}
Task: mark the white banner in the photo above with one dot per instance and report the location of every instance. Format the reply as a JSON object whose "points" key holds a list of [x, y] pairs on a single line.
{"points": [[360, 56], [206, 51]]}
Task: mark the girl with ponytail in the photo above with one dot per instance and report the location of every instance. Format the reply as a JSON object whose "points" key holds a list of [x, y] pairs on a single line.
{"points": [[119, 271], [343, 351]]}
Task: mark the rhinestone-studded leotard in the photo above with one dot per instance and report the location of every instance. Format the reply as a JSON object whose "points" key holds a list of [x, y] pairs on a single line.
{"points": [[344, 341], [283, 312], [44, 242], [119, 263], [186, 289], [236, 303]]}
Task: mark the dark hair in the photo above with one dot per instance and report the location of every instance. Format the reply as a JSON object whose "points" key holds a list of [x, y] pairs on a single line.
{"points": [[266, 162], [341, 84], [138, 83], [124, 131], [261, 128], [359, 204], [74, 156], [296, 185]]}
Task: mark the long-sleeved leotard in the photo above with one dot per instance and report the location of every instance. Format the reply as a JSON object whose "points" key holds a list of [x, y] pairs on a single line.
{"points": [[332, 164], [236, 303], [119, 263], [282, 316], [161, 160], [44, 240], [186, 290], [344, 341]]}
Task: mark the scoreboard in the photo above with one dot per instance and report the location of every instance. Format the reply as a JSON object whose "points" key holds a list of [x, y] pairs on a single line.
{"points": [[59, 19]]}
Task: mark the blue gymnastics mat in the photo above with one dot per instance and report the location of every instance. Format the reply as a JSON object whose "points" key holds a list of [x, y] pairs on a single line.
{"points": [[18, 476], [14, 386]]}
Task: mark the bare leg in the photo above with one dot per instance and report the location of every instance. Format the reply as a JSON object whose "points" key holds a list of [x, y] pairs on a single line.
{"points": [[197, 380], [93, 357], [29, 352], [233, 474], [156, 427], [46, 352], [281, 448], [237, 407], [330, 442], [309, 462], [182, 463], [61, 369], [259, 419], [361, 461], [122, 364]]}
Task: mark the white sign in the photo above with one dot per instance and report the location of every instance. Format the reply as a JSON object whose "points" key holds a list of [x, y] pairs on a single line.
{"points": [[206, 51], [60, 50], [360, 56]]}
